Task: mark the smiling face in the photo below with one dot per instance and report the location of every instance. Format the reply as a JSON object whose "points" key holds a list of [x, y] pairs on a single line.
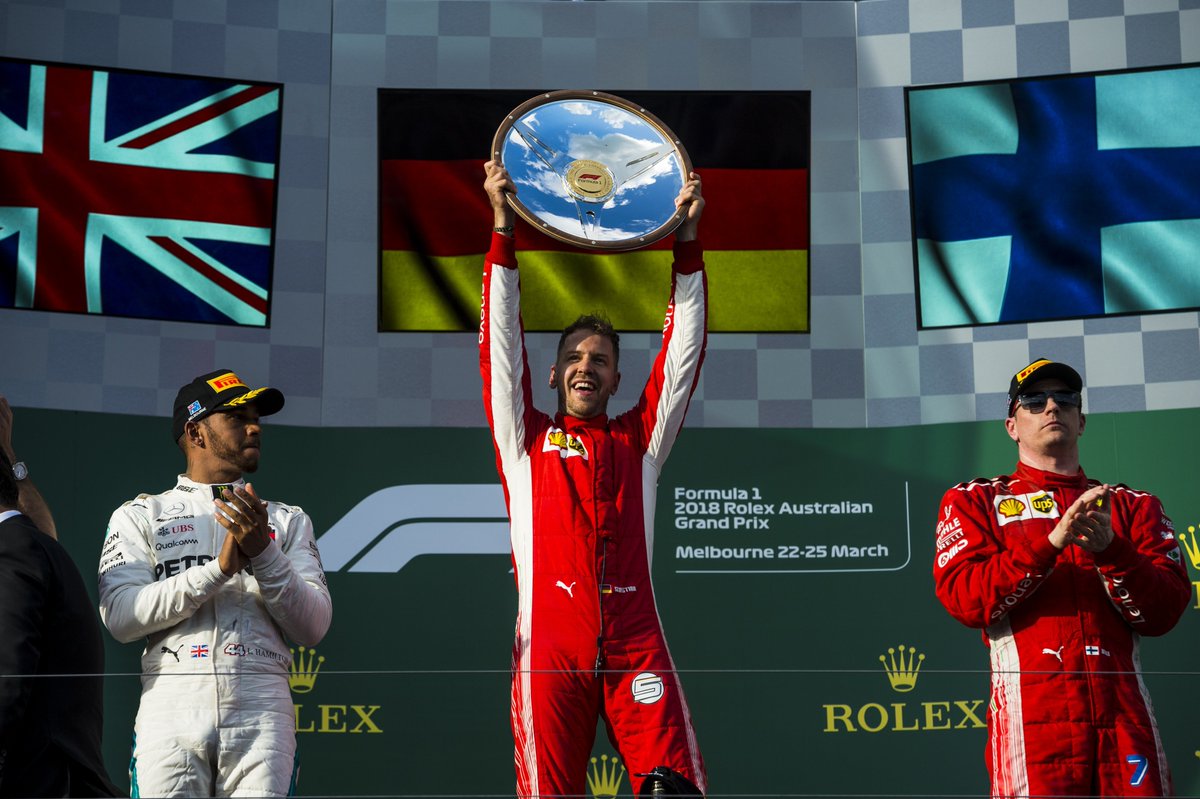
{"points": [[585, 374], [1053, 432]]}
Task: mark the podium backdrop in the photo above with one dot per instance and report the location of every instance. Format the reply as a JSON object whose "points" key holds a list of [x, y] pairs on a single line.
{"points": [[792, 569]]}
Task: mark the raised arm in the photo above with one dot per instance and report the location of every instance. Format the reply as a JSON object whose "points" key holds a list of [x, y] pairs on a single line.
{"points": [[676, 371], [503, 362], [30, 501], [498, 185]]}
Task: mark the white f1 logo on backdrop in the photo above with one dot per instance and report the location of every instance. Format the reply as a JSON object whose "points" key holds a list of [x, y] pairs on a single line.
{"points": [[389, 528]]}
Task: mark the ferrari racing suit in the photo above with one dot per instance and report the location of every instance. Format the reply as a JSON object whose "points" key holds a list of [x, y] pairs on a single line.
{"points": [[1069, 712], [215, 699], [581, 496]]}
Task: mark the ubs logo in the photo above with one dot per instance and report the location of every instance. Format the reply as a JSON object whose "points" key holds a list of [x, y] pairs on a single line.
{"points": [[175, 529]]}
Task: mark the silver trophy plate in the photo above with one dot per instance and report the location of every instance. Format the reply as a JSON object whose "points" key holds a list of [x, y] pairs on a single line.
{"points": [[593, 169]]}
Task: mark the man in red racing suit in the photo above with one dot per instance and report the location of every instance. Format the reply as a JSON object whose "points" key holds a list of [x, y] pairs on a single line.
{"points": [[580, 489], [1064, 575]]}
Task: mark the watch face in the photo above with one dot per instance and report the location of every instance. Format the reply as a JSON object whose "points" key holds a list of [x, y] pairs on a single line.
{"points": [[20, 470]]}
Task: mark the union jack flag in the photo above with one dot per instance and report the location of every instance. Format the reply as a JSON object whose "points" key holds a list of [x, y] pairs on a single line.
{"points": [[199, 650], [137, 194]]}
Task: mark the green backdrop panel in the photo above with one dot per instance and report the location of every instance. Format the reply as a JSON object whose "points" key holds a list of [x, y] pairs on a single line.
{"points": [[787, 563]]}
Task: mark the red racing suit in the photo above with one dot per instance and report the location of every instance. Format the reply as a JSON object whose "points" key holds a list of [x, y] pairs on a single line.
{"points": [[1069, 713], [581, 496]]}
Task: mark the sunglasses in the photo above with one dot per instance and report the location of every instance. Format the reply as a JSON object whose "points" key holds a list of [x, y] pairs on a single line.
{"points": [[1036, 402]]}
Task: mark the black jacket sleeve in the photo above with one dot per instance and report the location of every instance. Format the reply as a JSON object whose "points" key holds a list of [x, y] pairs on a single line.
{"points": [[24, 588]]}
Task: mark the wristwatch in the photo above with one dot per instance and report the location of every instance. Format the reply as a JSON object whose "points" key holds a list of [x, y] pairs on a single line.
{"points": [[20, 470]]}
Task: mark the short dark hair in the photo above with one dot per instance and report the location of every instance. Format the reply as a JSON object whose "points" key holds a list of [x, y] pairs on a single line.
{"points": [[10, 492], [596, 324]]}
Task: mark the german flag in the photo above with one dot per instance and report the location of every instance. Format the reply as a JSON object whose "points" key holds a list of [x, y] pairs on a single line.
{"points": [[750, 148]]}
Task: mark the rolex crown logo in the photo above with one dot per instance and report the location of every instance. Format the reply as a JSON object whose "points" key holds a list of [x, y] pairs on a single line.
{"points": [[902, 669], [604, 779], [1192, 547], [302, 674]]}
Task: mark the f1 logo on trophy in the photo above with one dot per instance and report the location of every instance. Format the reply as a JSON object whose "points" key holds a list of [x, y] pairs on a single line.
{"points": [[593, 169]]}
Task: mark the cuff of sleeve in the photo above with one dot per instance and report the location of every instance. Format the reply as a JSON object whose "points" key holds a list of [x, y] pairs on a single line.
{"points": [[1043, 551], [214, 575], [503, 251], [689, 256], [1118, 551], [264, 562]]}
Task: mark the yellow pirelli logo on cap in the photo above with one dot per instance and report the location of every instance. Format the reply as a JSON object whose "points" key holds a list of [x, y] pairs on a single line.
{"points": [[1030, 369], [227, 380]]}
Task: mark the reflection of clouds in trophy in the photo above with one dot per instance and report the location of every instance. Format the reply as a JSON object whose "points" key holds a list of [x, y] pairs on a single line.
{"points": [[541, 180], [666, 167], [567, 224], [612, 149], [572, 225], [635, 163], [579, 109], [618, 118], [610, 115], [516, 140], [529, 152]]}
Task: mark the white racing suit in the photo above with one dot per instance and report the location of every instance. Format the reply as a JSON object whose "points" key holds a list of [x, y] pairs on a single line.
{"points": [[216, 716]]}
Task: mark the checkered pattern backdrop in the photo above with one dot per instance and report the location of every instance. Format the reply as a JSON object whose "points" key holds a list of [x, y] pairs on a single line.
{"points": [[864, 364]]}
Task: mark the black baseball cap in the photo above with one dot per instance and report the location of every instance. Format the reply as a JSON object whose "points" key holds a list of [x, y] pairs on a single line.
{"points": [[1042, 369], [216, 390]]}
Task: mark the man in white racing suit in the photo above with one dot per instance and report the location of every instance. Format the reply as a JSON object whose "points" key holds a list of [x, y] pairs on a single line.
{"points": [[218, 582]]}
